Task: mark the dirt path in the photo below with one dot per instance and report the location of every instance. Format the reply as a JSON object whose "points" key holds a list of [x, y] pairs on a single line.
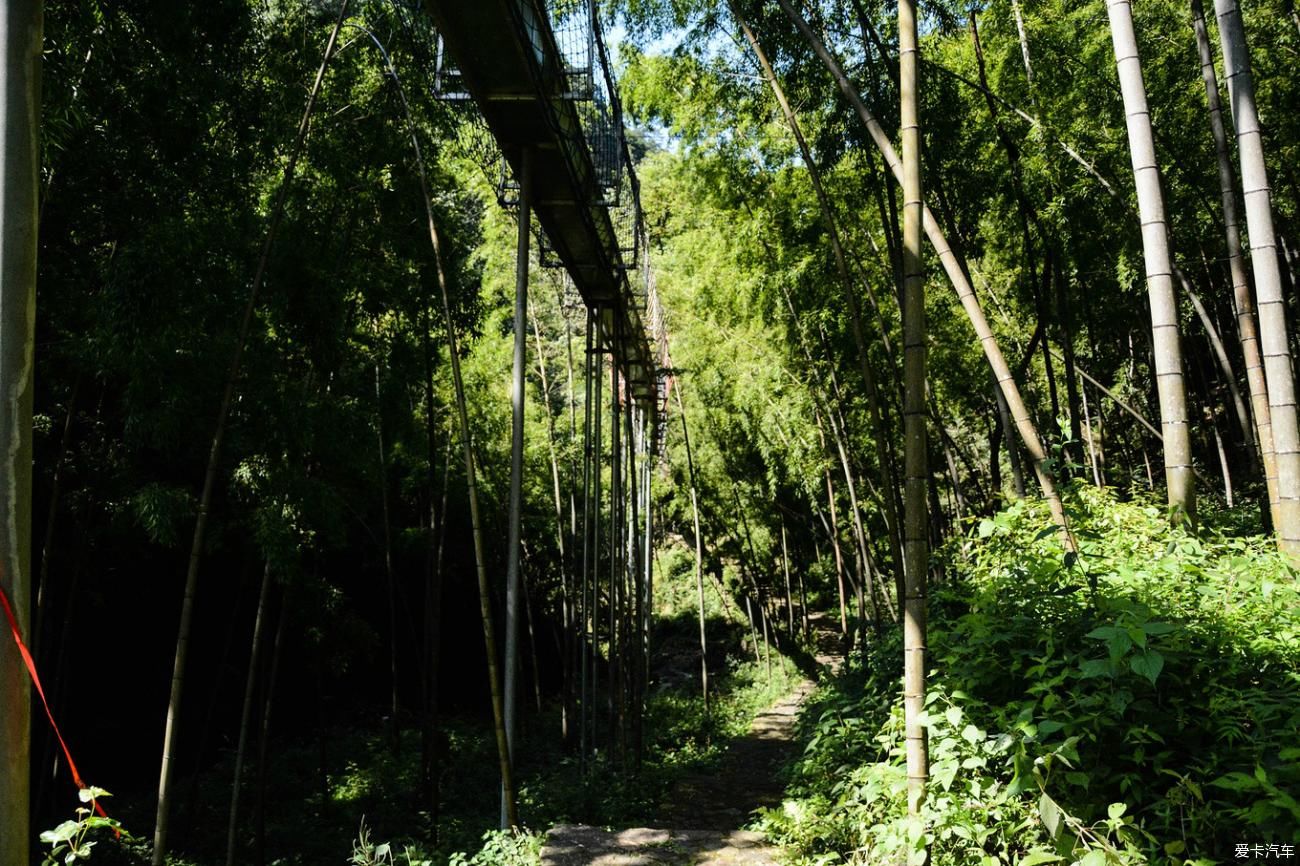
{"points": [[701, 822]]}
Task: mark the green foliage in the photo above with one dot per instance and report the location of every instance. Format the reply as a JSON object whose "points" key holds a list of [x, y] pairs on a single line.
{"points": [[366, 853], [504, 848], [70, 842], [1152, 718]]}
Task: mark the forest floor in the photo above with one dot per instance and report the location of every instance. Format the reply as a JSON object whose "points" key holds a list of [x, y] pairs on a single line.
{"points": [[702, 821]]}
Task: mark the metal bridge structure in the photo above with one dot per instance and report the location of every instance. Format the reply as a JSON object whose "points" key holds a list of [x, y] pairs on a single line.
{"points": [[539, 74], [534, 77]]}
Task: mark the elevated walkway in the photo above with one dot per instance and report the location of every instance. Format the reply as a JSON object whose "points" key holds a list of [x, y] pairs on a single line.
{"points": [[510, 64]]}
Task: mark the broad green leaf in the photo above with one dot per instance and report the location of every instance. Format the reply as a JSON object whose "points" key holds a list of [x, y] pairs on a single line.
{"points": [[953, 715], [1095, 668], [61, 833], [1037, 856], [1236, 781], [1148, 664], [92, 793], [1051, 815]]}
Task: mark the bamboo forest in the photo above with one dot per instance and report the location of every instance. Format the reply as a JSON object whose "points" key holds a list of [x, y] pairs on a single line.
{"points": [[649, 433]]}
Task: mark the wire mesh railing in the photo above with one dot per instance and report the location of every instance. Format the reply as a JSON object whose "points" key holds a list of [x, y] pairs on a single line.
{"points": [[573, 80], [575, 55]]}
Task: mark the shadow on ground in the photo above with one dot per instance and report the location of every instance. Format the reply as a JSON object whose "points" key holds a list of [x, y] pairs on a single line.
{"points": [[701, 820]]}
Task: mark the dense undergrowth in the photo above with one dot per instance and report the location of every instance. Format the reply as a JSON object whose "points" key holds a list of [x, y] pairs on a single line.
{"points": [[1136, 703], [367, 805]]}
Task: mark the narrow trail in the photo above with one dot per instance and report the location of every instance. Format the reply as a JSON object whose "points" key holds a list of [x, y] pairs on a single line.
{"points": [[701, 822]]}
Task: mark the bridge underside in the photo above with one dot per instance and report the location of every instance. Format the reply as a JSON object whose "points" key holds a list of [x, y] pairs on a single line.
{"points": [[511, 66]]}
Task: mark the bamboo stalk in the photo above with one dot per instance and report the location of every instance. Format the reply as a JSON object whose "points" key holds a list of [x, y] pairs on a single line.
{"points": [[171, 730], [957, 277]]}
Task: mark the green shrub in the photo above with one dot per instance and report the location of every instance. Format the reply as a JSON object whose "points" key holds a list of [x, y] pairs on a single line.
{"points": [[504, 848], [1136, 702]]}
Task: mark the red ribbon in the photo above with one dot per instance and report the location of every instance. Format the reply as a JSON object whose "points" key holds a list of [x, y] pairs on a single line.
{"points": [[36, 681]]}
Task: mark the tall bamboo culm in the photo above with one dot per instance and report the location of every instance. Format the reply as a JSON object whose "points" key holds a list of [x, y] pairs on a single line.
{"points": [[1179, 478], [957, 277], [916, 470], [509, 807], [197, 545], [20, 39], [1268, 275], [1242, 297]]}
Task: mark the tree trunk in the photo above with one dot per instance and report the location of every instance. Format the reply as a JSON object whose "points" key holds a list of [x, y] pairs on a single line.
{"points": [[995, 462], [566, 581], [171, 733], [1268, 278], [45, 598], [1067, 346], [1013, 453], [471, 483], [1136, 415], [51, 517], [789, 595], [1179, 479], [1093, 438], [216, 698], [513, 534], [834, 532], [803, 590], [1242, 296], [1225, 365], [264, 739], [322, 741], [20, 39], [914, 435], [430, 759], [527, 604], [250, 684], [1024, 43], [394, 725], [859, 534], [1223, 462]]}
